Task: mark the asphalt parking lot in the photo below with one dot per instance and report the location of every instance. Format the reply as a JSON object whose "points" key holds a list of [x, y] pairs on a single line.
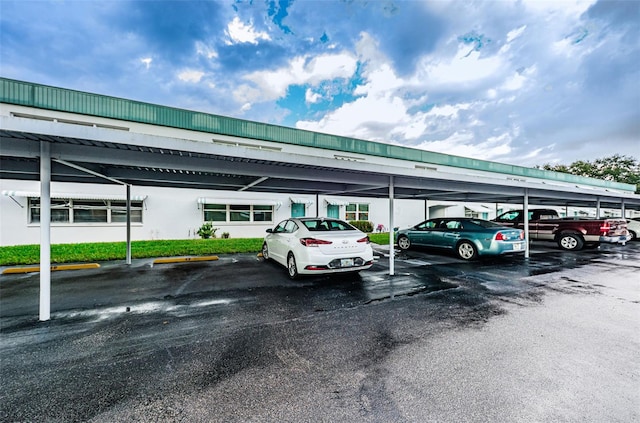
{"points": [[552, 338]]}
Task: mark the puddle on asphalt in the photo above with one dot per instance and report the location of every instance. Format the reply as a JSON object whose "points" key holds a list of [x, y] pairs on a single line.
{"points": [[378, 287]]}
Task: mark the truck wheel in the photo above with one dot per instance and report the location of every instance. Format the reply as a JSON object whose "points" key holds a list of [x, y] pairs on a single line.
{"points": [[466, 250], [570, 242]]}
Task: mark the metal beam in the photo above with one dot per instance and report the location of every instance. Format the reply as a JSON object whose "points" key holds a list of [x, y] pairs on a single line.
{"points": [[391, 231], [45, 231], [254, 183]]}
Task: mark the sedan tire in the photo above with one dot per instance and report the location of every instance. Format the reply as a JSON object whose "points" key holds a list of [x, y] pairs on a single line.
{"points": [[265, 251], [466, 250], [404, 243], [292, 267]]}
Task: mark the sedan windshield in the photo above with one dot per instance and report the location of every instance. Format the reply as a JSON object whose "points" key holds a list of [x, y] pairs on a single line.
{"points": [[327, 225]]}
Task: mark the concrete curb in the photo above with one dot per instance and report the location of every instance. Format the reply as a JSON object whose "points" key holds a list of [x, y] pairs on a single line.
{"points": [[184, 259], [55, 268]]}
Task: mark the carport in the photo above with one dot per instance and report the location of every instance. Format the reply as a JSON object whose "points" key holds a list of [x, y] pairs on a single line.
{"points": [[155, 148]]}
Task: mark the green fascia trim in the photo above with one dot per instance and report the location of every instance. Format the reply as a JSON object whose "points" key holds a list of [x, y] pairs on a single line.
{"points": [[66, 100]]}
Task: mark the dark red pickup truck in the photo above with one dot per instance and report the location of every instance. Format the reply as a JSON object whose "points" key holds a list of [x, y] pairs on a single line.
{"points": [[569, 233]]}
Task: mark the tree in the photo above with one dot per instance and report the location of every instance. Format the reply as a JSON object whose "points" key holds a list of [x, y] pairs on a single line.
{"points": [[625, 169]]}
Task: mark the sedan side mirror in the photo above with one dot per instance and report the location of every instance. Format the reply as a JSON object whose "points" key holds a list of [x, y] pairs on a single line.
{"points": [[270, 230]]}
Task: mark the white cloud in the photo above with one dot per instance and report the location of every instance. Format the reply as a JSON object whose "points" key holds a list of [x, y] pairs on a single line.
{"points": [[204, 50], [272, 85], [191, 76], [238, 32], [311, 97], [515, 82], [563, 7], [146, 61], [462, 143], [464, 69], [516, 33], [357, 118], [447, 110]]}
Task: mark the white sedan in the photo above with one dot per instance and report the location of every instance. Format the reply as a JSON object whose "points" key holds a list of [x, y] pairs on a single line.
{"points": [[312, 245]]}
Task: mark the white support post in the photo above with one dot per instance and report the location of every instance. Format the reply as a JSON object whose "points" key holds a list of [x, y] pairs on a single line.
{"points": [[45, 231], [426, 209], [525, 211], [623, 212], [128, 224], [598, 208], [391, 232]]}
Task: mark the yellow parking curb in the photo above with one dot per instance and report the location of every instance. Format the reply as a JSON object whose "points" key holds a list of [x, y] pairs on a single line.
{"points": [[184, 259], [53, 268]]}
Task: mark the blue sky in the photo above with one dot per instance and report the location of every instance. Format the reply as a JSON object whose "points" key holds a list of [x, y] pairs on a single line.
{"points": [[524, 82]]}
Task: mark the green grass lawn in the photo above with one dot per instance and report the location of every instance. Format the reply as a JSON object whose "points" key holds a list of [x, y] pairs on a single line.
{"points": [[105, 251]]}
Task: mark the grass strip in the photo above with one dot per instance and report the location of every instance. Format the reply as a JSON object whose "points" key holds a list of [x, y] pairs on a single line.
{"points": [[106, 251]]}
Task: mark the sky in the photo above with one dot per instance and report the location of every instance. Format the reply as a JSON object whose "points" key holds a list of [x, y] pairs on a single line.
{"points": [[523, 82]]}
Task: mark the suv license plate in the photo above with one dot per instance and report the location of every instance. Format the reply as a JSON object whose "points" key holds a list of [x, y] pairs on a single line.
{"points": [[346, 262]]}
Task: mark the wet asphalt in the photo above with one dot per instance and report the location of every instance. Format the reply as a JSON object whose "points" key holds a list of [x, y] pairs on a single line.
{"points": [[555, 337]]}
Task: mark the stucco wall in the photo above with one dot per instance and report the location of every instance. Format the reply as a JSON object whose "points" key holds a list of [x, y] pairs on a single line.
{"points": [[172, 214]]}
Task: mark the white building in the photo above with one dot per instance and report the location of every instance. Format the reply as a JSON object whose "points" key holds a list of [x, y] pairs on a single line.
{"points": [[242, 176], [95, 212]]}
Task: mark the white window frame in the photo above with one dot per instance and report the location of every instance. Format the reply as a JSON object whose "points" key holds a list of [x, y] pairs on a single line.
{"points": [[251, 209], [70, 206], [359, 213]]}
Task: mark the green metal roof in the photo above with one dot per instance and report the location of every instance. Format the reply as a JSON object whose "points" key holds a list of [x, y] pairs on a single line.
{"points": [[65, 100]]}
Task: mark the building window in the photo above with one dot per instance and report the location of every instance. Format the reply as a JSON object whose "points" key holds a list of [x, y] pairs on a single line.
{"points": [[237, 213], [89, 211], [86, 211], [262, 213], [475, 215], [215, 213], [119, 211], [357, 211]]}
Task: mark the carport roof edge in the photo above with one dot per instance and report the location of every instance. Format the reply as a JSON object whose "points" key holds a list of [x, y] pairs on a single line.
{"points": [[72, 101]]}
